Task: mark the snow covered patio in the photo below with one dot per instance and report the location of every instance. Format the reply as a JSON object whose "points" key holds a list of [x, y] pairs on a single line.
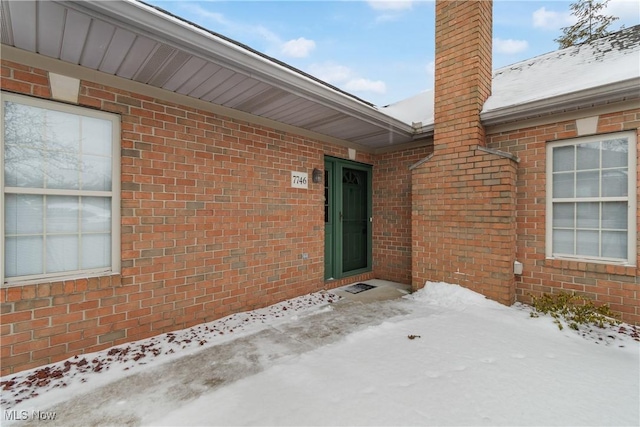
{"points": [[442, 356]]}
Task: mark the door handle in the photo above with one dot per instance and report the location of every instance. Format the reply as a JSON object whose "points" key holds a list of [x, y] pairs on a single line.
{"points": [[340, 215]]}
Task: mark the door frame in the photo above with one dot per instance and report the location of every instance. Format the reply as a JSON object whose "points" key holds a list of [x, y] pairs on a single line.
{"points": [[333, 224]]}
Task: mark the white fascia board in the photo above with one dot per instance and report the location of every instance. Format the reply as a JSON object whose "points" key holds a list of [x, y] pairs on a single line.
{"points": [[619, 91], [175, 32]]}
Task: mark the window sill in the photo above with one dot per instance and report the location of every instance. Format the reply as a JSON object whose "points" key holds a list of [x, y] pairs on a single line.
{"points": [[592, 266], [57, 279]]}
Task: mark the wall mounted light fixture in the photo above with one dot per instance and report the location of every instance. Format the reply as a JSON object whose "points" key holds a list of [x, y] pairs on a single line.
{"points": [[316, 176]]}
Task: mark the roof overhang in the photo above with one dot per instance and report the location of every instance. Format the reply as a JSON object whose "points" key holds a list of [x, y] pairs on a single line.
{"points": [[134, 41], [626, 90]]}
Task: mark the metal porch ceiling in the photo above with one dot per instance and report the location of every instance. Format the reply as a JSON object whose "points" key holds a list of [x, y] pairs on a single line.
{"points": [[140, 43]]}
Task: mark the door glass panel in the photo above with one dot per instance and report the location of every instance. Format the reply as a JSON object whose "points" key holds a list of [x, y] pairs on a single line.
{"points": [[354, 220]]}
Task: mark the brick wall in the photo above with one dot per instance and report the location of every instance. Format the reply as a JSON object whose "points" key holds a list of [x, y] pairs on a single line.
{"points": [[614, 285], [210, 226], [392, 213], [462, 74], [464, 223]]}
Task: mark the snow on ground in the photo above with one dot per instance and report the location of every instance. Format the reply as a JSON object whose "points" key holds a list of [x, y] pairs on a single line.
{"points": [[447, 357], [120, 361]]}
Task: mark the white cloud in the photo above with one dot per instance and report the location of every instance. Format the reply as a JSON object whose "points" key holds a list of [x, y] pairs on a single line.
{"points": [[509, 46], [365, 85], [390, 4], [330, 72], [344, 77], [298, 48], [270, 42], [627, 10], [551, 20]]}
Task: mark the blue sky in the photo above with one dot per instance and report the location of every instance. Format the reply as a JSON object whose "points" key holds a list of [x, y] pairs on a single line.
{"points": [[380, 51]]}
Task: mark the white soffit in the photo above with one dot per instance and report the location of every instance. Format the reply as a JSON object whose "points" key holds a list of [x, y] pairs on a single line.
{"points": [[138, 42]]}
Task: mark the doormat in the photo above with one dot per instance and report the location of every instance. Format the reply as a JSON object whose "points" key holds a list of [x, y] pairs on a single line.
{"points": [[358, 287]]}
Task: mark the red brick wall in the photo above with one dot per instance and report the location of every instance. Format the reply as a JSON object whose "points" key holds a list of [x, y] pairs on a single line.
{"points": [[613, 285], [210, 226], [464, 223], [462, 74], [392, 213]]}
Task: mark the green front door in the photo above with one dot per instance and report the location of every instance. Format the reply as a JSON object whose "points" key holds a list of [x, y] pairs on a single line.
{"points": [[347, 218]]}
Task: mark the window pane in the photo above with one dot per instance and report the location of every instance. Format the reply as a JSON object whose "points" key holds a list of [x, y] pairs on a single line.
{"points": [[23, 124], [96, 250], [96, 214], [615, 153], [588, 215], [96, 173], [62, 253], [62, 132], [614, 215], [23, 214], [614, 244], [62, 171], [563, 242], [587, 243], [23, 256], [614, 183], [588, 184], [96, 136], [563, 215], [62, 214], [588, 156], [563, 158], [563, 185], [23, 167]]}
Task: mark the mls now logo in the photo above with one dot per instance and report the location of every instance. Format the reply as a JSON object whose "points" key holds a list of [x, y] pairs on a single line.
{"points": [[14, 415]]}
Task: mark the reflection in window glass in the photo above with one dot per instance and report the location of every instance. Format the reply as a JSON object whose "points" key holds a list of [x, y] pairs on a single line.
{"points": [[96, 214], [62, 214], [588, 156]]}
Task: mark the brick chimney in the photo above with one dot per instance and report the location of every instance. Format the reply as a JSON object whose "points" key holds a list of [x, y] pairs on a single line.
{"points": [[462, 72], [463, 197]]}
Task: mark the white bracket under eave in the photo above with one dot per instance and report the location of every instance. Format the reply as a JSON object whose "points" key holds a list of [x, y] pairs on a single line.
{"points": [[64, 88]]}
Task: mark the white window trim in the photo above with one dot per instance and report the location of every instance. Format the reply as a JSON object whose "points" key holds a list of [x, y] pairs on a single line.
{"points": [[631, 200], [115, 191]]}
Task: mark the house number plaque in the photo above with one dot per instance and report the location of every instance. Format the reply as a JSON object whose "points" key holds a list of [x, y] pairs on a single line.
{"points": [[299, 179]]}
